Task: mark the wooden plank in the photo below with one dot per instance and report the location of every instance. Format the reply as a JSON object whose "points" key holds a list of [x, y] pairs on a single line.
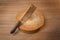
{"points": [[49, 8]]}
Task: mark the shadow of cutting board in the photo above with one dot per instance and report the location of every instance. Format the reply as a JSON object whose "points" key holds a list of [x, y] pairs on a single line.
{"points": [[50, 9]]}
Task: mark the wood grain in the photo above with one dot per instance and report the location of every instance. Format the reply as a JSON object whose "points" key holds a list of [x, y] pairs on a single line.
{"points": [[49, 8]]}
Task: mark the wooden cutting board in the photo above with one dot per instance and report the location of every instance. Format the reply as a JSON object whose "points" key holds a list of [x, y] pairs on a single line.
{"points": [[33, 23]]}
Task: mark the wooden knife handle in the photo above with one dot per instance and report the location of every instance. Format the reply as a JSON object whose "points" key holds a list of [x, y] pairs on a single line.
{"points": [[15, 27]]}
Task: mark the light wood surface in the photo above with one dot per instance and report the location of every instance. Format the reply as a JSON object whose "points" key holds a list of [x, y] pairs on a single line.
{"points": [[49, 8]]}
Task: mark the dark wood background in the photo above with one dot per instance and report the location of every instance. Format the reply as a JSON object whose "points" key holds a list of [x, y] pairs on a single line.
{"points": [[49, 8]]}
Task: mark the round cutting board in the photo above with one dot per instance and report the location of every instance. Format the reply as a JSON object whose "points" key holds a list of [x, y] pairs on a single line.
{"points": [[35, 22]]}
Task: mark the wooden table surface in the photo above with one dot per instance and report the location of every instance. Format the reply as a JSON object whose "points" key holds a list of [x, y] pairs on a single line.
{"points": [[49, 8]]}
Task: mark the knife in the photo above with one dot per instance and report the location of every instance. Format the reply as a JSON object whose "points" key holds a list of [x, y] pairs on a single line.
{"points": [[24, 18]]}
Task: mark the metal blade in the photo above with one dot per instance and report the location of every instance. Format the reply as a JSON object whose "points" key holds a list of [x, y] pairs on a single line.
{"points": [[24, 18], [28, 13]]}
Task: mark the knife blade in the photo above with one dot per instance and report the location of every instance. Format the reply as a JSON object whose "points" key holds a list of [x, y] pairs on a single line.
{"points": [[24, 18]]}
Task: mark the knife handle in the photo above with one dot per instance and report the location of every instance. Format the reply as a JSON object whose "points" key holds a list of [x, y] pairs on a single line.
{"points": [[15, 27]]}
